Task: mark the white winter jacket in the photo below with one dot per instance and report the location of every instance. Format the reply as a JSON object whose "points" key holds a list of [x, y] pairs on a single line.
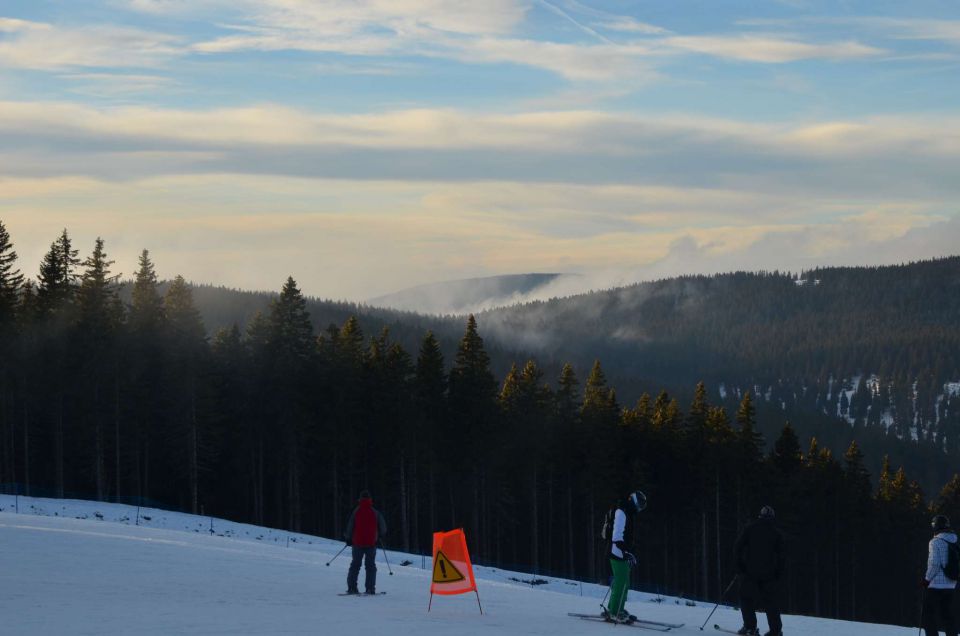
{"points": [[937, 560], [619, 527]]}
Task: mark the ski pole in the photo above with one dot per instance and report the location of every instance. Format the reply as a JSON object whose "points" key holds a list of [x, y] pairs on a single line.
{"points": [[336, 555], [718, 601], [923, 602], [606, 595], [385, 556]]}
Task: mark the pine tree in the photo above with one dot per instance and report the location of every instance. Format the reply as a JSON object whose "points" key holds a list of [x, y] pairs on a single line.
{"points": [[11, 281], [473, 392], [100, 314], [145, 367], [187, 348], [751, 442], [570, 444], [57, 283], [948, 501], [100, 309], [292, 351], [430, 386], [146, 312], [786, 456]]}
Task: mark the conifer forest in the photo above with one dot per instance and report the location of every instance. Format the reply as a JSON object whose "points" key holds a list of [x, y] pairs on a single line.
{"points": [[126, 395]]}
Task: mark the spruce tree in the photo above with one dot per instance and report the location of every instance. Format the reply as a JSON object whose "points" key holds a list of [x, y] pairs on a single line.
{"points": [[146, 311], [187, 347], [100, 316], [473, 392], [57, 283], [100, 309], [11, 281], [292, 352], [948, 501], [751, 441], [786, 456], [430, 386]]}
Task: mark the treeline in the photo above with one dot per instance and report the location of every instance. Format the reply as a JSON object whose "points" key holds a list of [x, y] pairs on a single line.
{"points": [[282, 426]]}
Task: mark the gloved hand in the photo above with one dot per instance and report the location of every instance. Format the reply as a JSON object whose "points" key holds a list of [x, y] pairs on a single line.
{"points": [[631, 558], [620, 545], [924, 583]]}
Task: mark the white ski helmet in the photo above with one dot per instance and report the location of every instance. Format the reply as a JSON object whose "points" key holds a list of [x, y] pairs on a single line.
{"points": [[639, 500]]}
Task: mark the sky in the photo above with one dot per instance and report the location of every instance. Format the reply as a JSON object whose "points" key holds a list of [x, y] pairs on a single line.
{"points": [[365, 146]]}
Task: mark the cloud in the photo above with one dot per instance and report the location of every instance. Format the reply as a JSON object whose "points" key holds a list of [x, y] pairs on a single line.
{"points": [[630, 25], [947, 31], [487, 33], [322, 230], [769, 50], [41, 46], [898, 158]]}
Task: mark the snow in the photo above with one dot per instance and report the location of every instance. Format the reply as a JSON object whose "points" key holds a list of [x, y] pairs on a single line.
{"points": [[69, 571]]}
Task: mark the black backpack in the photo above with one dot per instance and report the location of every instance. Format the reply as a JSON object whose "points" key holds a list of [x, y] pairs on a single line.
{"points": [[606, 530], [952, 568]]}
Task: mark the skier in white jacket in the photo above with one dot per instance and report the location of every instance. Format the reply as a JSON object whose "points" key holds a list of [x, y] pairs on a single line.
{"points": [[620, 558], [938, 598]]}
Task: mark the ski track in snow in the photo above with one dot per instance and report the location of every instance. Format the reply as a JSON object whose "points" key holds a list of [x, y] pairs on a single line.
{"points": [[65, 575]]}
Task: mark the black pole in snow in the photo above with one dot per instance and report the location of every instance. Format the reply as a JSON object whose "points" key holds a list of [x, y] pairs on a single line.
{"points": [[718, 601], [336, 555], [385, 556]]}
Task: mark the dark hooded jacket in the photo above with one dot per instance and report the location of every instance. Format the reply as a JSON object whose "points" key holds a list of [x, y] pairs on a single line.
{"points": [[760, 551]]}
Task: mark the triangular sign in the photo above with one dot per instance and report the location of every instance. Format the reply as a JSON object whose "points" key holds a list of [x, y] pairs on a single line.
{"points": [[444, 571]]}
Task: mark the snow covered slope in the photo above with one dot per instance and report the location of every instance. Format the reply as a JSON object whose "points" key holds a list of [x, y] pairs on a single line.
{"points": [[75, 567]]}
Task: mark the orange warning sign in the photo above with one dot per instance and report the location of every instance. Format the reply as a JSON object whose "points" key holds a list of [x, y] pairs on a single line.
{"points": [[452, 571]]}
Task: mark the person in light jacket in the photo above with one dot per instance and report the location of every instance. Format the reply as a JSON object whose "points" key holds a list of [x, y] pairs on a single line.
{"points": [[938, 597]]}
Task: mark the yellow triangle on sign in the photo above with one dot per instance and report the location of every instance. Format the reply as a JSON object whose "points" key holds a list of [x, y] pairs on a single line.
{"points": [[444, 571]]}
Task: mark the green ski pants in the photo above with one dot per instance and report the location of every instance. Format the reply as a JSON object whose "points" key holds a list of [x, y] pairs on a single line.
{"points": [[620, 585]]}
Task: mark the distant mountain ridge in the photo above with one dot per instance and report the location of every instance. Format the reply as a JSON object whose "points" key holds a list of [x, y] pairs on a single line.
{"points": [[469, 295]]}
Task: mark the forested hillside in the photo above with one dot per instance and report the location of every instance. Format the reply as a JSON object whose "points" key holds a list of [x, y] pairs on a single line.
{"points": [[281, 423]]}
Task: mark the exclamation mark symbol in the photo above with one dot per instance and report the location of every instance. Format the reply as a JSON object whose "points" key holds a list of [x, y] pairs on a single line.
{"points": [[443, 569]]}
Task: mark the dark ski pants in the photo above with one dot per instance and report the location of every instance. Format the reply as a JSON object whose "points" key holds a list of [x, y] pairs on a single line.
{"points": [[938, 612], [370, 580], [764, 593]]}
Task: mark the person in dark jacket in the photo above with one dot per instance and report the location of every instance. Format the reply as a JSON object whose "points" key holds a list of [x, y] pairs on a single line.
{"points": [[938, 597], [364, 530], [760, 562]]}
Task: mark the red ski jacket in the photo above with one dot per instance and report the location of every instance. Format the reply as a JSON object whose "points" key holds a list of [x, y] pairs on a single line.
{"points": [[366, 525]]}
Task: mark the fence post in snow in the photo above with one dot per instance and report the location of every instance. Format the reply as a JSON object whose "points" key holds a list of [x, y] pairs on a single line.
{"points": [[138, 515], [211, 525]]}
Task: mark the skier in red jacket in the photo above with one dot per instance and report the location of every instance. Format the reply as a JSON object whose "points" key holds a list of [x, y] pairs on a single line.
{"points": [[364, 530]]}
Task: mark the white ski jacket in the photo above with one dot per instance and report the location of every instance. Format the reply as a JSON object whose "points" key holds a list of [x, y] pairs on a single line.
{"points": [[937, 560], [619, 527]]}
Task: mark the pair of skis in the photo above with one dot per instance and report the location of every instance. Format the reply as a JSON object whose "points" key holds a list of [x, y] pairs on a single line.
{"points": [[361, 594], [655, 626]]}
